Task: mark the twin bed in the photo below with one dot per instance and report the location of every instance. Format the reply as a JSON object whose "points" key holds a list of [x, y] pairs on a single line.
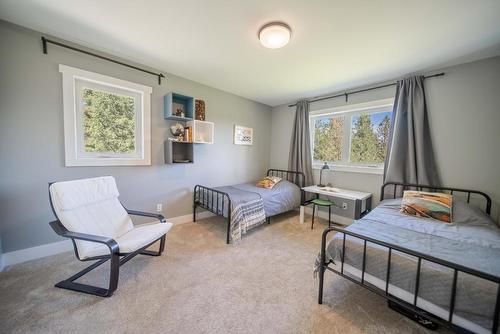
{"points": [[433, 272], [245, 206]]}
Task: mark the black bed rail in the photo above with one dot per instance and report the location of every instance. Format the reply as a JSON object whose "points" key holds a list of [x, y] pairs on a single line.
{"points": [[324, 265], [214, 201], [411, 186], [296, 177]]}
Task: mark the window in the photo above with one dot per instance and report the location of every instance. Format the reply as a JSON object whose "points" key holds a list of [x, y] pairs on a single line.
{"points": [[106, 120], [352, 138]]}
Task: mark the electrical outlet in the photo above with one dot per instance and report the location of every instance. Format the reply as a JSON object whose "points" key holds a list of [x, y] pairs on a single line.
{"points": [[159, 207], [344, 206]]}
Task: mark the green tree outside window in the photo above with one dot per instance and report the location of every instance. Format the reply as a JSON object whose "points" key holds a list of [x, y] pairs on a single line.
{"points": [[109, 122], [368, 138]]}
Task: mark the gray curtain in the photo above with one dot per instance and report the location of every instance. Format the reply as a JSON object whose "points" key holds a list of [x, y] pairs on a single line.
{"points": [[410, 157], [300, 146]]}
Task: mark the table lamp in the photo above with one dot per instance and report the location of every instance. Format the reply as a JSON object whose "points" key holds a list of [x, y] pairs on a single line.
{"points": [[325, 166]]}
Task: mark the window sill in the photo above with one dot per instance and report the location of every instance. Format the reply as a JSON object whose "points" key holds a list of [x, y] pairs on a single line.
{"points": [[354, 169]]}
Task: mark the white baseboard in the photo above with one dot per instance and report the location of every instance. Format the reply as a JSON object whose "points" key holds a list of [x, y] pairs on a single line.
{"points": [[189, 218], [27, 254], [37, 252]]}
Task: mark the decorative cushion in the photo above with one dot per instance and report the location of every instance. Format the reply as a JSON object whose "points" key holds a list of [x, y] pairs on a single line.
{"points": [[427, 205], [268, 182]]}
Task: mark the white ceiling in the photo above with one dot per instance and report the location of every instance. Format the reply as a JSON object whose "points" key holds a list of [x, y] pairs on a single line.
{"points": [[335, 44]]}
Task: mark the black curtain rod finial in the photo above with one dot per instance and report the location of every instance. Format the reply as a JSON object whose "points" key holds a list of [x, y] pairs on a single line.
{"points": [[160, 76], [44, 45]]}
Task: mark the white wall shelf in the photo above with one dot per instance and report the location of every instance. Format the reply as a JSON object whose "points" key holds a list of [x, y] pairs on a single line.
{"points": [[203, 131]]}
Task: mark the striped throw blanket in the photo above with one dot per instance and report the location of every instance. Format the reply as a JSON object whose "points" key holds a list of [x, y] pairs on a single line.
{"points": [[247, 210], [246, 216]]}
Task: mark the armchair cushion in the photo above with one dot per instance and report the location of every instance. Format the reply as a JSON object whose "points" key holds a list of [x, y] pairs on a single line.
{"points": [[136, 238], [71, 195], [91, 206]]}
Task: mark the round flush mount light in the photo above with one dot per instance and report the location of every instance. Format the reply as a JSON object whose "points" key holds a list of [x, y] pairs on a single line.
{"points": [[275, 35]]}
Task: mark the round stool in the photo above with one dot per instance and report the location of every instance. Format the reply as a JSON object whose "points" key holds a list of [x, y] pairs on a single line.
{"points": [[322, 202]]}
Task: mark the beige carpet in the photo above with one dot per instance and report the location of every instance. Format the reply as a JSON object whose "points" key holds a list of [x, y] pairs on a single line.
{"points": [[201, 285]]}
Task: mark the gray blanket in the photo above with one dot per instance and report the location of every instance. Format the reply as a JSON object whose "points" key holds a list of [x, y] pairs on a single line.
{"points": [[283, 197], [250, 205], [472, 240], [247, 211]]}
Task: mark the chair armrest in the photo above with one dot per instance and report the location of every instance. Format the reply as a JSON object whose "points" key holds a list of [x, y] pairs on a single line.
{"points": [[59, 228], [147, 214]]}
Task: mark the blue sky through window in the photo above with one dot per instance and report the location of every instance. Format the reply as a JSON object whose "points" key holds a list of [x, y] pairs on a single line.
{"points": [[376, 118]]}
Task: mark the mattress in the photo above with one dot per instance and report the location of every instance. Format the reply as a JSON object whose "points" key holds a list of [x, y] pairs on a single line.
{"points": [[471, 240]]}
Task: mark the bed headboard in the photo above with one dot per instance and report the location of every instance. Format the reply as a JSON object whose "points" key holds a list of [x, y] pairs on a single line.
{"points": [[400, 187], [296, 177]]}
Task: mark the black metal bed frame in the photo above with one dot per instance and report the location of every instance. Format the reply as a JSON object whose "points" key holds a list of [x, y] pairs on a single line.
{"points": [[210, 198], [411, 310], [117, 259]]}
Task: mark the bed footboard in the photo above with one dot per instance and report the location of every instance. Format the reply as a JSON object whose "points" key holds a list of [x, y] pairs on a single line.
{"points": [[420, 314], [214, 201]]}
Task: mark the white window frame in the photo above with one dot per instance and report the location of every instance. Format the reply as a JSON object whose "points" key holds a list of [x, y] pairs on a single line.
{"points": [[73, 131], [349, 111]]}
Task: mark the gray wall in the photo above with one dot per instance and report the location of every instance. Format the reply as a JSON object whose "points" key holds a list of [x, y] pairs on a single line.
{"points": [[464, 112], [1, 253], [32, 151]]}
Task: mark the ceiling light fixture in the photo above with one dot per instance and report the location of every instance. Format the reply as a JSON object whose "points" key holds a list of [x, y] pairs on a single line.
{"points": [[275, 35]]}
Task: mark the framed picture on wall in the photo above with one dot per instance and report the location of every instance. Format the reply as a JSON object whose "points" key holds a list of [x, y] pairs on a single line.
{"points": [[243, 135]]}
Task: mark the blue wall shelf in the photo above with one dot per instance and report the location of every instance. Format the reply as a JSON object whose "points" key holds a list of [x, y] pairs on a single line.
{"points": [[174, 102]]}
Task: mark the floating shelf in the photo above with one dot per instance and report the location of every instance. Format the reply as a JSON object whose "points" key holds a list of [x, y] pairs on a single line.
{"points": [[202, 132], [174, 102], [178, 152]]}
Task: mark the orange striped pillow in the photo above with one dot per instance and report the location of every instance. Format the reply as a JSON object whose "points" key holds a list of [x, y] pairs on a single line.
{"points": [[427, 205], [268, 182]]}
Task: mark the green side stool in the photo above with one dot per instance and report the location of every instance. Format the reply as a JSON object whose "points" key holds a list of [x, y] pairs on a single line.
{"points": [[322, 202]]}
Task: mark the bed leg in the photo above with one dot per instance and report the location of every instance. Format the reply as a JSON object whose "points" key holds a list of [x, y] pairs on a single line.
{"points": [[321, 278], [268, 220], [194, 204], [228, 235], [323, 264]]}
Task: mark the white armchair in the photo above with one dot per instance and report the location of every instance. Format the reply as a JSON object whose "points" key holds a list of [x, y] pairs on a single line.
{"points": [[89, 213]]}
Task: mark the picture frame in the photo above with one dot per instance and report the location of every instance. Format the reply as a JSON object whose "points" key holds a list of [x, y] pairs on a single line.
{"points": [[243, 135]]}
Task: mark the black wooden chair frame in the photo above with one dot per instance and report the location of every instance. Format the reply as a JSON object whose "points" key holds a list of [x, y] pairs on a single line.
{"points": [[410, 309], [202, 194], [116, 258]]}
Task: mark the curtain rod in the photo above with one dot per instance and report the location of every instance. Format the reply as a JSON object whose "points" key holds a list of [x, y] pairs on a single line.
{"points": [[45, 41], [346, 94]]}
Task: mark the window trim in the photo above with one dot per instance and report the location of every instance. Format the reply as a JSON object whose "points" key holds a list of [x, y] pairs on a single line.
{"points": [[70, 109], [351, 109]]}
